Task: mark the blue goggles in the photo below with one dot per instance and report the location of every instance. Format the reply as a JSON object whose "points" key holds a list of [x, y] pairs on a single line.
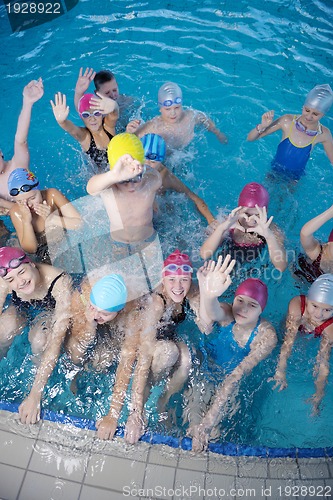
{"points": [[154, 157], [169, 102]]}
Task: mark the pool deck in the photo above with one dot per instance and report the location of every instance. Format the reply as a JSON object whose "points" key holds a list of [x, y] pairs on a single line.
{"points": [[55, 461]]}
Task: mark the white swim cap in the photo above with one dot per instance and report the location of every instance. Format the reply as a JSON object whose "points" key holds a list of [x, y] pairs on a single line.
{"points": [[321, 290], [320, 98], [170, 93]]}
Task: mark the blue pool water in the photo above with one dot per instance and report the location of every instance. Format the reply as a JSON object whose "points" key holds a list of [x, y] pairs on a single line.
{"points": [[234, 62]]}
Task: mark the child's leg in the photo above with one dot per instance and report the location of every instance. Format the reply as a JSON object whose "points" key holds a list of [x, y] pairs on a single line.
{"points": [[11, 325]]}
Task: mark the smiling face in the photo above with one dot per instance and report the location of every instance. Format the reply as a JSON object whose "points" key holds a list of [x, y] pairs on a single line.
{"points": [[23, 279], [318, 312], [310, 117], [172, 114], [99, 315], [109, 89], [246, 310], [176, 287]]}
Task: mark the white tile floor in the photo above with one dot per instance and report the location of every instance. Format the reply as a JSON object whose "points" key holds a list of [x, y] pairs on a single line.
{"points": [[53, 461]]}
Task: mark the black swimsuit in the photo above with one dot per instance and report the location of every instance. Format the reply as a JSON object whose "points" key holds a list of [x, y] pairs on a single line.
{"points": [[166, 328], [309, 270], [48, 302], [98, 156]]}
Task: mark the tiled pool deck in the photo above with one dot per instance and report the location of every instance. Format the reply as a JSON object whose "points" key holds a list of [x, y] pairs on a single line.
{"points": [[56, 461]]}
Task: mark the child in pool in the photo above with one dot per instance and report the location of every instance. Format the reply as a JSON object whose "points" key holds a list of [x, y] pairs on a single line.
{"points": [[175, 124], [105, 86], [99, 116], [41, 289], [155, 150], [249, 229], [244, 339], [104, 306], [162, 354], [128, 190], [310, 315], [299, 133], [32, 209], [321, 254]]}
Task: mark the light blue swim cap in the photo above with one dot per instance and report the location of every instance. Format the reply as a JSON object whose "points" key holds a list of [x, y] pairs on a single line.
{"points": [[154, 146], [109, 293], [320, 98], [321, 290], [22, 180], [170, 93]]}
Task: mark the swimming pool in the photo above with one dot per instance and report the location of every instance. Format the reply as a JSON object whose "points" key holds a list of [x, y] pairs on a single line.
{"points": [[233, 62]]}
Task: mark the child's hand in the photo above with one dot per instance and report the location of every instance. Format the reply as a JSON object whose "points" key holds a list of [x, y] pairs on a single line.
{"points": [[60, 108], [279, 379], [33, 91], [43, 210], [126, 168], [132, 126], [233, 219], [25, 212], [217, 276], [262, 226], [267, 119], [84, 80], [103, 104]]}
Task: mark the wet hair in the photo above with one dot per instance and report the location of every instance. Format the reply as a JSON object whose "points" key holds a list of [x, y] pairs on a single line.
{"points": [[103, 77]]}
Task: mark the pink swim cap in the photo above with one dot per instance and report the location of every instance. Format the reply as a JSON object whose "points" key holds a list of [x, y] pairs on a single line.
{"points": [[330, 238], [178, 264], [253, 194], [12, 258], [254, 288], [84, 102]]}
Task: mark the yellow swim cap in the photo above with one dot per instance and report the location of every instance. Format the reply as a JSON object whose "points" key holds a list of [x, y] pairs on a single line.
{"points": [[123, 144]]}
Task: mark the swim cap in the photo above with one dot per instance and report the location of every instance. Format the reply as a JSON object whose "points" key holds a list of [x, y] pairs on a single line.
{"points": [[177, 259], [320, 98], [170, 93], [84, 102], [122, 144], [330, 238], [8, 256], [154, 147], [254, 288], [22, 180], [253, 194], [321, 290], [109, 293]]}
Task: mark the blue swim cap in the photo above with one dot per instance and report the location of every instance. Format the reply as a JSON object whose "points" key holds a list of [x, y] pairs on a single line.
{"points": [[22, 181], [109, 293], [154, 146]]}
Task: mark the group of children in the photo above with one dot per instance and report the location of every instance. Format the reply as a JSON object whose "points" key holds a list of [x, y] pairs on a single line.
{"points": [[141, 337]]}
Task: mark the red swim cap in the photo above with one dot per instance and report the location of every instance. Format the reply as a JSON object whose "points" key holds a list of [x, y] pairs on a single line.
{"points": [[254, 288], [330, 238], [84, 102], [9, 254], [178, 259], [253, 194]]}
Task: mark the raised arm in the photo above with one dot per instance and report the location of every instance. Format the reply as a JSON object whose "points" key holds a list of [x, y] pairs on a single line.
{"points": [[31, 94], [310, 244], [61, 112], [109, 108], [29, 410], [83, 81], [266, 127], [202, 119]]}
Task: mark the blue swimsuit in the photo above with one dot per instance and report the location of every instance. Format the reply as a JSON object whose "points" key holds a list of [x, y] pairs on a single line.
{"points": [[224, 349], [290, 159]]}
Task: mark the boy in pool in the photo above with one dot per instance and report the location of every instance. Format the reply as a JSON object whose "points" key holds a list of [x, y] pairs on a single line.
{"points": [[299, 133], [155, 149], [32, 209], [244, 338], [310, 315], [175, 124], [100, 308]]}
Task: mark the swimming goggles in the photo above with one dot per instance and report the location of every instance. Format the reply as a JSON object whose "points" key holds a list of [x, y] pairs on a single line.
{"points": [[154, 157], [13, 264], [136, 179], [86, 114], [172, 268], [302, 128], [23, 189], [169, 102]]}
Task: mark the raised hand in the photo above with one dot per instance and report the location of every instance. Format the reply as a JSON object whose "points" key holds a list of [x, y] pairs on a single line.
{"points": [[217, 276], [132, 126], [60, 108], [126, 168], [103, 104], [267, 119], [233, 219], [33, 91], [262, 226], [84, 80]]}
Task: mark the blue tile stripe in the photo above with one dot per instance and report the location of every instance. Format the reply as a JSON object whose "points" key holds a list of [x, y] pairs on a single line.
{"points": [[185, 443]]}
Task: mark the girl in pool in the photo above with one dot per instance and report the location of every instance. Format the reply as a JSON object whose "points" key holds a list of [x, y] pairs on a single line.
{"points": [[162, 353], [32, 209], [99, 116], [310, 315], [248, 230], [321, 254], [299, 133], [243, 340], [42, 293]]}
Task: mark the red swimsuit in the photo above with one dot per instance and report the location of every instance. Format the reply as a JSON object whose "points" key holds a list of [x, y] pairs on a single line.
{"points": [[319, 329]]}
